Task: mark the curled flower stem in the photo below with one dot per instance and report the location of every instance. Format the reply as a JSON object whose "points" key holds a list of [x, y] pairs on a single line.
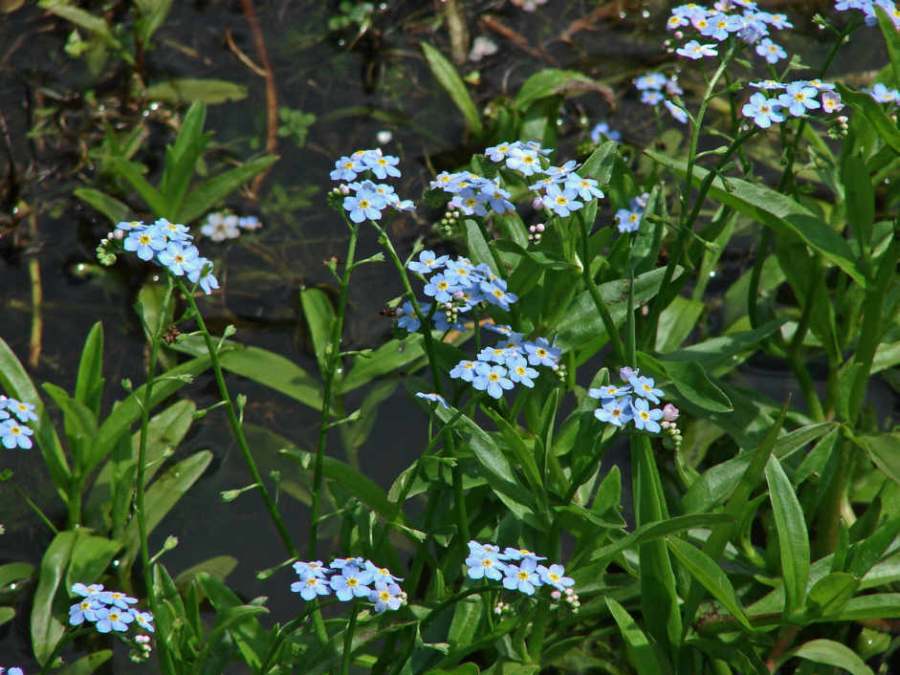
{"points": [[331, 366], [235, 423]]}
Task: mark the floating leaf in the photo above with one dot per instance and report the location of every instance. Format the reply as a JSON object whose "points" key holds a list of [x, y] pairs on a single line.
{"points": [[189, 90]]}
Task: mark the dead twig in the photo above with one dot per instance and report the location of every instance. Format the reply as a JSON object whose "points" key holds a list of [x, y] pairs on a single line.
{"points": [[517, 39], [241, 55], [262, 54]]}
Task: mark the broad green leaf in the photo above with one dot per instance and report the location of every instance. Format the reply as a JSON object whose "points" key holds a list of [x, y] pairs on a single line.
{"points": [[676, 322], [859, 195], [891, 39], [89, 383], [793, 538], [690, 381], [7, 614], [884, 449], [874, 113], [720, 351], [865, 607], [14, 572], [151, 15], [640, 651], [128, 411], [600, 164], [219, 567], [865, 554], [165, 492], [449, 79], [108, 205], [80, 424], [707, 571], [319, 314], [46, 629], [87, 664], [134, 174], [260, 365], [394, 355], [182, 156], [14, 382], [775, 210], [207, 195], [478, 247], [831, 653], [91, 557], [466, 618], [553, 82], [193, 90], [830, 594]]}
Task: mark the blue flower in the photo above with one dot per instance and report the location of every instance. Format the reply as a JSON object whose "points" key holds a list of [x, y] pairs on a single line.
{"points": [[380, 575], [484, 565], [694, 50], [441, 288], [352, 582], [143, 619], [495, 293], [491, 379], [561, 201], [310, 587], [649, 81], [763, 110], [770, 51], [476, 548], [312, 568], [434, 398], [464, 370], [428, 262], [460, 272], [678, 114], [145, 242], [117, 599], [608, 391], [521, 577], [352, 561], [112, 619], [521, 373], [524, 160], [542, 353], [616, 412], [14, 434], [13, 671], [201, 273], [22, 410], [347, 168], [799, 98], [179, 259], [173, 231], [644, 418], [645, 387], [628, 220], [363, 205], [499, 152], [85, 610], [407, 318], [496, 354], [884, 94], [386, 596], [584, 188], [651, 97], [555, 575], [510, 553], [382, 165], [601, 130]]}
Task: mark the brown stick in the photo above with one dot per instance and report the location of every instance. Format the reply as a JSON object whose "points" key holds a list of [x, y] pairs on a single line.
{"points": [[262, 54]]}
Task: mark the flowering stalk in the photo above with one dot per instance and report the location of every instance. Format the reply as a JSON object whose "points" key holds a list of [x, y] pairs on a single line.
{"points": [[234, 421], [333, 358]]}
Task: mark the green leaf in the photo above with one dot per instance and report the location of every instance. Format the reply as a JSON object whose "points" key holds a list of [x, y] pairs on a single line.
{"points": [[182, 156], [90, 558], [720, 351], [319, 314], [151, 15], [449, 79], [15, 572], [7, 614], [207, 195], [394, 355], [478, 247], [793, 538], [690, 380], [676, 322], [705, 570], [134, 174], [831, 653], [859, 195], [128, 411], [87, 664], [549, 82], [46, 629], [194, 90], [108, 205], [89, 383], [260, 365], [830, 594], [883, 449], [775, 210], [14, 381], [219, 567], [891, 39], [165, 492], [640, 651], [80, 423]]}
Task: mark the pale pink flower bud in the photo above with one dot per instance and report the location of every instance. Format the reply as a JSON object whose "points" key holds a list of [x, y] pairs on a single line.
{"points": [[670, 412]]}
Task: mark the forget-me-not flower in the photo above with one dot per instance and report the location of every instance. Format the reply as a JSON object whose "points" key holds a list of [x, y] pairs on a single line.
{"points": [[646, 418]]}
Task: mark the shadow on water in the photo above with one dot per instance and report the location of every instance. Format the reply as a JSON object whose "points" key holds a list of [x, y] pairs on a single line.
{"points": [[381, 84]]}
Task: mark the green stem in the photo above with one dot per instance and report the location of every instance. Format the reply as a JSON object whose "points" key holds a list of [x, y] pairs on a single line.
{"points": [[347, 656], [331, 366], [605, 316], [140, 487], [234, 422]]}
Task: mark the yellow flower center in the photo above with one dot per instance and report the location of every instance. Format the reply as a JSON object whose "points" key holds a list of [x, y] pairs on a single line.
{"points": [[487, 562], [493, 377], [353, 581], [644, 415], [523, 575], [384, 596], [364, 203], [554, 577], [312, 581]]}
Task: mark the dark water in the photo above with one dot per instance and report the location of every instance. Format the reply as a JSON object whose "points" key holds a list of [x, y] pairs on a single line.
{"points": [[380, 84]]}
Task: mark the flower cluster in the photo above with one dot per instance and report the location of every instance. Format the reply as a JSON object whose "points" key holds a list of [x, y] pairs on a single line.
{"points": [[518, 569], [867, 7], [657, 88], [498, 368], [473, 194], [108, 611], [365, 200], [457, 286], [221, 226], [631, 402], [166, 244], [347, 579], [740, 18], [14, 418], [794, 99], [602, 130], [628, 220]]}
